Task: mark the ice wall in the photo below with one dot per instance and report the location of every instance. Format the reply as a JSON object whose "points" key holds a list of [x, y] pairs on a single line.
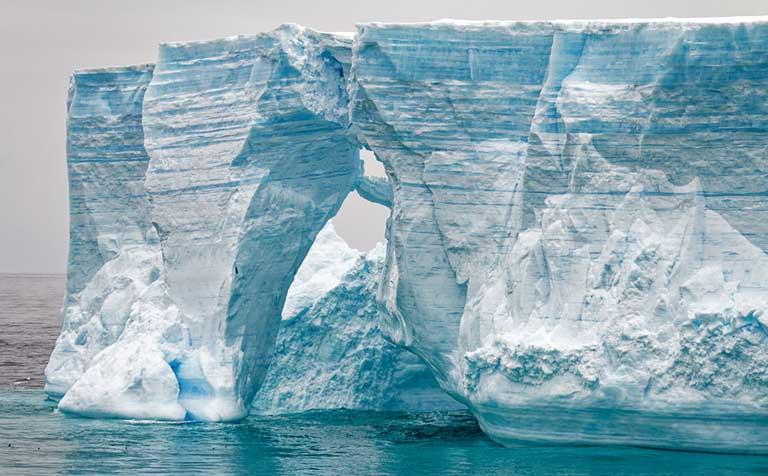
{"points": [[577, 245], [578, 235], [114, 252]]}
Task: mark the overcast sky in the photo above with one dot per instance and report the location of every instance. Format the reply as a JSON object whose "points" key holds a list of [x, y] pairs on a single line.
{"points": [[41, 42]]}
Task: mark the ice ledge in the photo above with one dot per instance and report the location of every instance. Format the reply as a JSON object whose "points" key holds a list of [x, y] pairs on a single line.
{"points": [[602, 26]]}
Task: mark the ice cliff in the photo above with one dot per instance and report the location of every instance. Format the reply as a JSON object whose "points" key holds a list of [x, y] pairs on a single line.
{"points": [[198, 186], [576, 249], [114, 252], [578, 236]]}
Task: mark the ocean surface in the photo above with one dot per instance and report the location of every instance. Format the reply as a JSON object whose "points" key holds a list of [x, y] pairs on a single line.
{"points": [[29, 324], [37, 440]]}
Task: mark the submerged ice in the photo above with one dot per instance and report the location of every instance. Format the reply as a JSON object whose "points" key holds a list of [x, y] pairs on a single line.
{"points": [[576, 249]]}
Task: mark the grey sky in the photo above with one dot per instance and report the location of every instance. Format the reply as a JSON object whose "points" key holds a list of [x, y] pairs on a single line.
{"points": [[41, 42]]}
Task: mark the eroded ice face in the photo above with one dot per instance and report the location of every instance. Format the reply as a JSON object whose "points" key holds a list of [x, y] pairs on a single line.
{"points": [[244, 159], [569, 228], [578, 218]]}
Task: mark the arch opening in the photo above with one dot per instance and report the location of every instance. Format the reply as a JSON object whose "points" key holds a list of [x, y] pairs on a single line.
{"points": [[360, 222]]}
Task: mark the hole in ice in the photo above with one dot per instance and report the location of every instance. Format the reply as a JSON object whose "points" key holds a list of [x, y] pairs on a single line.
{"points": [[360, 222], [372, 166]]}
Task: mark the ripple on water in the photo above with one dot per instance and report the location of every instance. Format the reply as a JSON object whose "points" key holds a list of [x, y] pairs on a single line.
{"points": [[42, 441], [30, 306], [37, 440]]}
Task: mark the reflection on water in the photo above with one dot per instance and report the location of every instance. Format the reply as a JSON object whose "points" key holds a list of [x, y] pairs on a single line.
{"points": [[321, 443]]}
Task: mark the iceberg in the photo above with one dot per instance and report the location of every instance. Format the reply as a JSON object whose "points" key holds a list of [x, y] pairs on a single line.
{"points": [[114, 252], [578, 235], [576, 249]]}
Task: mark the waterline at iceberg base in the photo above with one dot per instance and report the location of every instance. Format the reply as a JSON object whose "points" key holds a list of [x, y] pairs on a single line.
{"points": [[576, 248]]}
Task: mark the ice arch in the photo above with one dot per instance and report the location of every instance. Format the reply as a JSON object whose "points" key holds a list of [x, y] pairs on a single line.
{"points": [[231, 155], [249, 159], [245, 157]]}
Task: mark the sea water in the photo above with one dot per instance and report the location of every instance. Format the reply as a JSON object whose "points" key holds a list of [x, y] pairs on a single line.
{"points": [[36, 439]]}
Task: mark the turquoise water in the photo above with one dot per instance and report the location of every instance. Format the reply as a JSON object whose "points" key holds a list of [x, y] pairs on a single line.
{"points": [[34, 439], [37, 440]]}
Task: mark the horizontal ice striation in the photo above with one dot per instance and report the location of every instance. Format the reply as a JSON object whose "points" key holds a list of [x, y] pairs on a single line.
{"points": [[249, 159], [375, 190], [114, 253], [330, 351], [579, 231], [577, 245], [239, 156]]}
